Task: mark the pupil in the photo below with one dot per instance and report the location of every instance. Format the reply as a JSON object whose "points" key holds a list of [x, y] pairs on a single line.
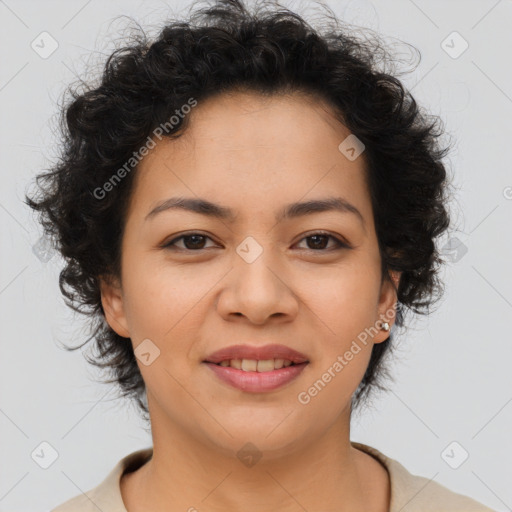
{"points": [[316, 237], [194, 238]]}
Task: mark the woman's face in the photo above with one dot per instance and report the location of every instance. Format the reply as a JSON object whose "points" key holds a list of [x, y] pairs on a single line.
{"points": [[255, 278]]}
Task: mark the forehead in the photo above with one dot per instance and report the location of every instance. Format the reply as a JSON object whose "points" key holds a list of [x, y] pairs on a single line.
{"points": [[248, 118], [248, 149]]}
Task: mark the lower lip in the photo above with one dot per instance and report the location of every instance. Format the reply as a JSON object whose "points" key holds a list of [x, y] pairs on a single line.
{"points": [[257, 382]]}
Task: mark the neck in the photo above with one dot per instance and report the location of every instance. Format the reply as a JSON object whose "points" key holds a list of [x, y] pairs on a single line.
{"points": [[186, 474]]}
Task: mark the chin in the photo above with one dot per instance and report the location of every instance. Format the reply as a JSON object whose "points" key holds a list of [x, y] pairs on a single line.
{"points": [[271, 438]]}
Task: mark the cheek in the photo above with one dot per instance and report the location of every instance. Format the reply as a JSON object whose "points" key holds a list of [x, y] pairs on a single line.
{"points": [[152, 292], [166, 303], [343, 318], [344, 308], [344, 302]]}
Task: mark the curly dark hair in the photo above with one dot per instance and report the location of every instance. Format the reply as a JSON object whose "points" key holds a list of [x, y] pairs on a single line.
{"points": [[225, 47]]}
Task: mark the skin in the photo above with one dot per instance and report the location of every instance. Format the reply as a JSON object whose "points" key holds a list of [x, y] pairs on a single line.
{"points": [[254, 155]]}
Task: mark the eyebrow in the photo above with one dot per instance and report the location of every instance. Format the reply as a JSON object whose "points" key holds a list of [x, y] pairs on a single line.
{"points": [[290, 211]]}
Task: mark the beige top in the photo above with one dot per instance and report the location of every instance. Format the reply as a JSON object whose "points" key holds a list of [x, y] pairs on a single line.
{"points": [[409, 493]]}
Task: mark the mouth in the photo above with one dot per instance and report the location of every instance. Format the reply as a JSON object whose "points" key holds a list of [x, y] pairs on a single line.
{"points": [[245, 356], [254, 365], [257, 369]]}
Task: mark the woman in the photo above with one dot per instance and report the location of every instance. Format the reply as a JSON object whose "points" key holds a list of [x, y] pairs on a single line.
{"points": [[246, 207]]}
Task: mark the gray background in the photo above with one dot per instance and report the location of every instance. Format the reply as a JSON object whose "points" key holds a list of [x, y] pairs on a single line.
{"points": [[453, 378]]}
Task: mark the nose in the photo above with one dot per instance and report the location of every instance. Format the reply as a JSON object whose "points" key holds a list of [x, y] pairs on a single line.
{"points": [[257, 292]]}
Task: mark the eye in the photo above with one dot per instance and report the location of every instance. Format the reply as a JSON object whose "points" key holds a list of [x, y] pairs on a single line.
{"points": [[320, 239], [196, 242], [192, 242]]}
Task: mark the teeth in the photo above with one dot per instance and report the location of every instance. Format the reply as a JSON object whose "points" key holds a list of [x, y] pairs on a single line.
{"points": [[236, 363], [265, 366], [253, 365], [249, 365]]}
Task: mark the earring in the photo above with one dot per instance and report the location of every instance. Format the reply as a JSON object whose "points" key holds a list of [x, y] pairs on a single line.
{"points": [[385, 326]]}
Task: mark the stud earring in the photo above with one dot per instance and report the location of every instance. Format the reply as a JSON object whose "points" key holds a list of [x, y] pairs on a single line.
{"points": [[385, 326]]}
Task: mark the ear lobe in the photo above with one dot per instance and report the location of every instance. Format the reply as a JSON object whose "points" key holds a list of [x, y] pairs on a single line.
{"points": [[387, 304], [113, 305]]}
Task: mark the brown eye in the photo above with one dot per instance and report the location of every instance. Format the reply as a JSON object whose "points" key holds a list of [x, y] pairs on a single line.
{"points": [[319, 242], [191, 242]]}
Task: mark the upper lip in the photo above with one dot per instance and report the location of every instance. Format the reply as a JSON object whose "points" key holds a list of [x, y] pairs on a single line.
{"points": [[259, 353]]}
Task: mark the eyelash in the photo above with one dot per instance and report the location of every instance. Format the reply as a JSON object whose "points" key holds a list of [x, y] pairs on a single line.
{"points": [[171, 244]]}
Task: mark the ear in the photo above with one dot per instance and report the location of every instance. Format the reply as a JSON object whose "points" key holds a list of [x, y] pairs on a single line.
{"points": [[113, 305], [387, 305]]}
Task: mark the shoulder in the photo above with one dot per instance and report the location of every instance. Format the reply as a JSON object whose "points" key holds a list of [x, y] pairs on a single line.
{"points": [[416, 493], [107, 495]]}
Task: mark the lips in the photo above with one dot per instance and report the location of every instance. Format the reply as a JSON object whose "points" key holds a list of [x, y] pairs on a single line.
{"points": [[256, 369], [263, 353]]}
